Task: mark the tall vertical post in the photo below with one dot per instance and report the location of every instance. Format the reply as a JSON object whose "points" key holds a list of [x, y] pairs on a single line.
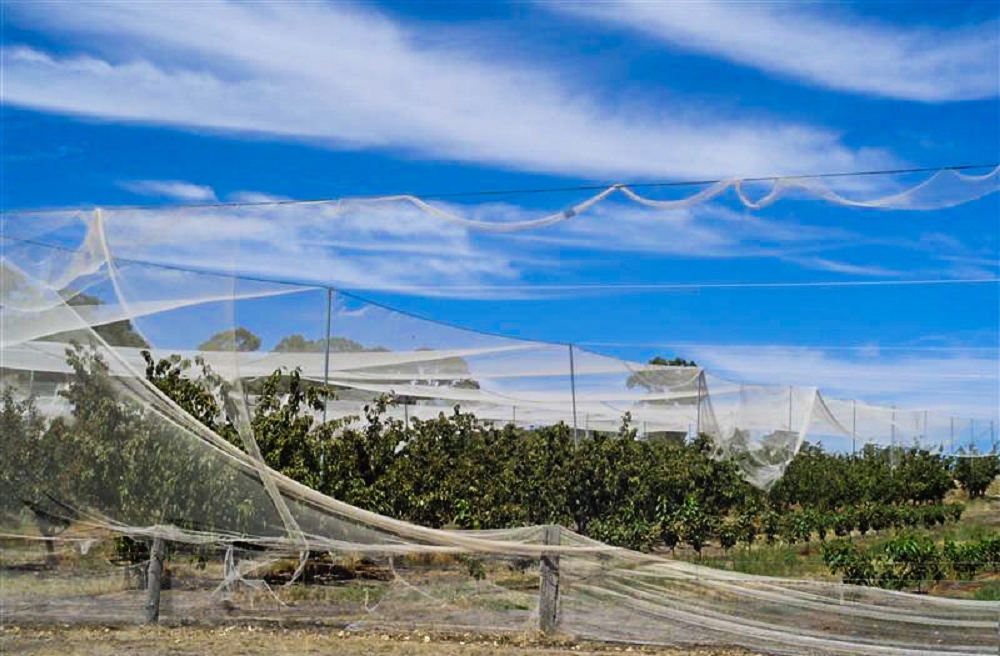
{"points": [[697, 418], [548, 596], [153, 581], [972, 436], [952, 434], [326, 372], [854, 428], [789, 408], [572, 387], [326, 355], [927, 432], [892, 437], [993, 439]]}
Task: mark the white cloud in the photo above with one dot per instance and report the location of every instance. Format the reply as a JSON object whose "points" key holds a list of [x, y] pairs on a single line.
{"points": [[172, 189], [947, 381], [393, 245], [819, 47], [254, 197], [387, 246], [350, 78]]}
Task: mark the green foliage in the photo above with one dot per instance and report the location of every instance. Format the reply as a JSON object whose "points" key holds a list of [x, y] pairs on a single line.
{"points": [[237, 339], [694, 525], [649, 379], [770, 523], [115, 333], [728, 535], [827, 481], [122, 454], [299, 344], [965, 559], [975, 473], [849, 559], [747, 525], [910, 561]]}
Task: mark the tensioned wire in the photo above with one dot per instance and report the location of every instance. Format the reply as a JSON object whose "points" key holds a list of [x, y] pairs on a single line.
{"points": [[540, 287], [356, 297], [539, 190], [349, 291]]}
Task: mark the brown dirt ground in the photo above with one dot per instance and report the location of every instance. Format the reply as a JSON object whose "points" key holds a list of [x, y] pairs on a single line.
{"points": [[256, 641]]}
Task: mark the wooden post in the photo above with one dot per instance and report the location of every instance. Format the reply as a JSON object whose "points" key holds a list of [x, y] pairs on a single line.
{"points": [[153, 581], [548, 598]]}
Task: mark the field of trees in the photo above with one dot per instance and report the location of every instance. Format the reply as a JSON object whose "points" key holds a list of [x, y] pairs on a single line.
{"points": [[458, 472]]}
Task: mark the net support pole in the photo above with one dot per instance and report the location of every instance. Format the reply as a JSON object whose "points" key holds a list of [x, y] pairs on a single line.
{"points": [[789, 408], [854, 428], [326, 371], [548, 595], [153, 581], [326, 354], [697, 418], [572, 389]]}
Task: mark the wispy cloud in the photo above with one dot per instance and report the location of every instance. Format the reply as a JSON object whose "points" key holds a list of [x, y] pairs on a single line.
{"points": [[172, 189], [949, 381], [394, 245], [821, 47], [347, 77], [254, 197], [388, 246], [708, 232]]}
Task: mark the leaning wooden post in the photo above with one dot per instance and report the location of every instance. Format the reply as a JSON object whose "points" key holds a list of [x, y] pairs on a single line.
{"points": [[153, 581], [548, 601]]}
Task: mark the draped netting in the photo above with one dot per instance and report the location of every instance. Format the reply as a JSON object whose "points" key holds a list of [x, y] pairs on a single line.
{"points": [[84, 293]]}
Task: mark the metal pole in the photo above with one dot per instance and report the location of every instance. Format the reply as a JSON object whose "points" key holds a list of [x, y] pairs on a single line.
{"points": [[697, 419], [789, 408], [572, 387], [892, 436], [926, 431], [326, 374], [326, 356], [952, 434], [406, 413], [972, 436], [854, 428]]}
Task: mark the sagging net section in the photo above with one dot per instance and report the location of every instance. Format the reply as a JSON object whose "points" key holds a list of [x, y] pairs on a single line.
{"points": [[131, 391]]}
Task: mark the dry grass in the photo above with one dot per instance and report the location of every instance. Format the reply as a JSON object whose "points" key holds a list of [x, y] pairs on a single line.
{"points": [[255, 641]]}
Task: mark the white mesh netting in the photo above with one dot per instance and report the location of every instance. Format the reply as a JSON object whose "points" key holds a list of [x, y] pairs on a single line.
{"points": [[84, 293]]}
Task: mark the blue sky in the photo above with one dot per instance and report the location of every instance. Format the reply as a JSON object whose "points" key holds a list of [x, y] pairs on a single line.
{"points": [[112, 103]]}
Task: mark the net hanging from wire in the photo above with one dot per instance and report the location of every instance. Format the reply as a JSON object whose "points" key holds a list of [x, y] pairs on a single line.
{"points": [[106, 453]]}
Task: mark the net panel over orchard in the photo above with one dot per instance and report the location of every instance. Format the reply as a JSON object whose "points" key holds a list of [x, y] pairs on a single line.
{"points": [[138, 402]]}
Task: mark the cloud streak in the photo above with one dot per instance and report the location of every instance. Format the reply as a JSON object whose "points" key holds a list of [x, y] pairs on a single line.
{"points": [[172, 189], [344, 77], [964, 384], [836, 52]]}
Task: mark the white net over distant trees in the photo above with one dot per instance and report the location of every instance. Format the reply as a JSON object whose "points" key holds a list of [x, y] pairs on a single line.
{"points": [[93, 300]]}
